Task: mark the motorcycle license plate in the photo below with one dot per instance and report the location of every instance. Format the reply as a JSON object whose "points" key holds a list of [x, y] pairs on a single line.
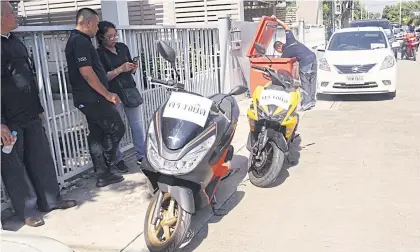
{"points": [[354, 79], [275, 97]]}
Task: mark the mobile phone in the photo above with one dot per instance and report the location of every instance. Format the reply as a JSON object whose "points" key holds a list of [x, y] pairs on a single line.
{"points": [[135, 61]]}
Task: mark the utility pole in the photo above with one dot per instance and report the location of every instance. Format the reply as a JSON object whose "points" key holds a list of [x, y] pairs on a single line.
{"points": [[400, 13], [352, 10]]}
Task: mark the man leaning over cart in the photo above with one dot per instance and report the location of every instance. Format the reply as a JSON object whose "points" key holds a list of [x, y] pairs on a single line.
{"points": [[307, 63]]}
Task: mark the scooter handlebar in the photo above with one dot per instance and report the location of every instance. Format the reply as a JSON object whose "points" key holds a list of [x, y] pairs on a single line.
{"points": [[259, 68], [169, 83], [159, 81]]}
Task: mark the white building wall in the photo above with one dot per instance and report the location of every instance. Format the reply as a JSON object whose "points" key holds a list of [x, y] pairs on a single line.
{"points": [[310, 11], [154, 12]]}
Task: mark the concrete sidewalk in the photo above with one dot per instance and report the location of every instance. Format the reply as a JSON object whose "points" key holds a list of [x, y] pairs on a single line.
{"points": [[110, 219]]}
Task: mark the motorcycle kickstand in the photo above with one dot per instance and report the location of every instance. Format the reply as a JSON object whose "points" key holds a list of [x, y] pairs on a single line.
{"points": [[216, 212]]}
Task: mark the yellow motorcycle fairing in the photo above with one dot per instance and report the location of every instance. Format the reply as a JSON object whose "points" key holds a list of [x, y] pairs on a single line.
{"points": [[289, 121]]}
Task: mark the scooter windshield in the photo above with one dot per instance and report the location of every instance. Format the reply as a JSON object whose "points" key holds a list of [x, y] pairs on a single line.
{"points": [[177, 133]]}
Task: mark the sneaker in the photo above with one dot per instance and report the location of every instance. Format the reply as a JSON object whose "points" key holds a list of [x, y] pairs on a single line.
{"points": [[121, 167], [306, 107], [139, 161], [108, 179]]}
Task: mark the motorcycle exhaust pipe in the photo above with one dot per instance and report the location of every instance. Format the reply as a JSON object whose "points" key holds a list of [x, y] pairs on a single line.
{"points": [[157, 208]]}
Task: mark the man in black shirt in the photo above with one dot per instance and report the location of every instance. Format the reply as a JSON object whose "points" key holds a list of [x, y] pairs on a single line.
{"points": [[307, 63], [28, 171], [91, 96]]}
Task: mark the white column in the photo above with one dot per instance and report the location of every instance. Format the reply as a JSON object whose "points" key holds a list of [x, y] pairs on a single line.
{"points": [[224, 42], [301, 32], [115, 11], [241, 10]]}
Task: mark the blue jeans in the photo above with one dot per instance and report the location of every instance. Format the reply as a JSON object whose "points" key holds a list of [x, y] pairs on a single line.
{"points": [[134, 120], [308, 80]]}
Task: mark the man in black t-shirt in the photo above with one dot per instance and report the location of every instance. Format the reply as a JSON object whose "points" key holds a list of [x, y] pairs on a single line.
{"points": [[307, 63], [91, 96], [28, 171]]}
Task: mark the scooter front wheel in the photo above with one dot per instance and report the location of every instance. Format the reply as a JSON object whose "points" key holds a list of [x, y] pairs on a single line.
{"points": [[171, 227], [264, 172]]}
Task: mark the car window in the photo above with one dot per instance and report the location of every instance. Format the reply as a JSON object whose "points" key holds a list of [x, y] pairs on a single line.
{"points": [[397, 30], [383, 24], [360, 40]]}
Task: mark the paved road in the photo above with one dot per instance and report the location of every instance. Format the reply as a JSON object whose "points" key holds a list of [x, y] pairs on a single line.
{"points": [[356, 186]]}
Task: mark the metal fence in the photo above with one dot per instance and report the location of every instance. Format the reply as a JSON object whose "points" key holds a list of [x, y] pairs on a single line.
{"points": [[197, 64]]}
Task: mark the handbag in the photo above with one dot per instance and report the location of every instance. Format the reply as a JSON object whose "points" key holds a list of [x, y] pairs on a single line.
{"points": [[130, 97]]}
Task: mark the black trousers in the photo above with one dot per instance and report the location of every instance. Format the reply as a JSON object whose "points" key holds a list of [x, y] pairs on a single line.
{"points": [[28, 172], [106, 130], [308, 77]]}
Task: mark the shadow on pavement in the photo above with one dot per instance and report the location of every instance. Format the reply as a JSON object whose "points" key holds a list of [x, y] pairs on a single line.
{"points": [[83, 189], [355, 97], [232, 202], [227, 198]]}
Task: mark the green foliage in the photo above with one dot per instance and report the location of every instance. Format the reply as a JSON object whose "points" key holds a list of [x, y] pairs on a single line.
{"points": [[392, 12], [326, 11], [357, 10]]}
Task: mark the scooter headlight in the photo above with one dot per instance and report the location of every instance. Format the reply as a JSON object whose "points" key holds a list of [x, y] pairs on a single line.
{"points": [[280, 116], [185, 165], [388, 62]]}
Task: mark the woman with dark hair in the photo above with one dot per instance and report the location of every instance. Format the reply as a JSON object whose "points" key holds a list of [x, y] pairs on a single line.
{"points": [[116, 59]]}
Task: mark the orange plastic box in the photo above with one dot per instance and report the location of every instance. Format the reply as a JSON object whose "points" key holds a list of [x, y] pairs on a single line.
{"points": [[264, 35]]}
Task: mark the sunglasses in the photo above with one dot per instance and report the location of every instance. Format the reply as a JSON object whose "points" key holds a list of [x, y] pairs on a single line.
{"points": [[112, 37]]}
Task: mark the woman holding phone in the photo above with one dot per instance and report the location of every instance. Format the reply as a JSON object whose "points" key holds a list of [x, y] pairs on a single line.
{"points": [[116, 59]]}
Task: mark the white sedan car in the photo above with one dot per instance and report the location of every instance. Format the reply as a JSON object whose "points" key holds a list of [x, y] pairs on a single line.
{"points": [[358, 60]]}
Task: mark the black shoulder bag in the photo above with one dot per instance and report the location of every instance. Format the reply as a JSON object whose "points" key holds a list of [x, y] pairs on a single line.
{"points": [[130, 97]]}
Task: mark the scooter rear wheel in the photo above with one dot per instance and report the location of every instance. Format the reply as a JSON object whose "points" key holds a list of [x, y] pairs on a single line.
{"points": [[171, 228], [266, 175]]}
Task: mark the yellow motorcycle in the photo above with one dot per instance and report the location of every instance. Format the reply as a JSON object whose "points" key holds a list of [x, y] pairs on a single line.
{"points": [[273, 120]]}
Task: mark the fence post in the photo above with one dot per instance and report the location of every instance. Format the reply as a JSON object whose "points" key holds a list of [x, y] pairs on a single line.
{"points": [[224, 41], [301, 31]]}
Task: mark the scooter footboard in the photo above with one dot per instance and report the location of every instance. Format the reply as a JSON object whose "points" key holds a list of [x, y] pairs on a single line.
{"points": [[182, 194]]}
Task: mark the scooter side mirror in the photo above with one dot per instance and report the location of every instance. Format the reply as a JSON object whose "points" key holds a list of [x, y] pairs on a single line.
{"points": [[167, 52], [238, 90], [259, 48]]}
